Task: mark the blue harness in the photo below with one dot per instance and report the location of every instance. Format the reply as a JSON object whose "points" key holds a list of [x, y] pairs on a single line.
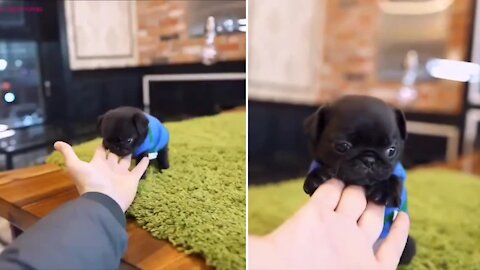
{"points": [[156, 140], [390, 212]]}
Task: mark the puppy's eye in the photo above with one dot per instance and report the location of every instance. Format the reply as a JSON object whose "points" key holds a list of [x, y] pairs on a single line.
{"points": [[390, 152], [342, 147], [130, 140]]}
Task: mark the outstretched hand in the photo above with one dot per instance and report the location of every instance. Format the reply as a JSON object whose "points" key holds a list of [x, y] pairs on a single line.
{"points": [[336, 229], [106, 173]]}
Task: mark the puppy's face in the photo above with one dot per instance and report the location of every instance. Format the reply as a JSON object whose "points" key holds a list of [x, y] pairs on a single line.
{"points": [[359, 138], [123, 130]]}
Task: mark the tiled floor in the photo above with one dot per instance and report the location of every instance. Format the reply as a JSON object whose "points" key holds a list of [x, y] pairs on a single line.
{"points": [[6, 235], [469, 164]]}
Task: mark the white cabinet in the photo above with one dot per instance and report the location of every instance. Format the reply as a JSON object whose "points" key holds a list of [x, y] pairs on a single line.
{"points": [[101, 34], [284, 39]]}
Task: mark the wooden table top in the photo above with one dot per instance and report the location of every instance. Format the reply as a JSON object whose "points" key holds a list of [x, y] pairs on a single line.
{"points": [[27, 195]]}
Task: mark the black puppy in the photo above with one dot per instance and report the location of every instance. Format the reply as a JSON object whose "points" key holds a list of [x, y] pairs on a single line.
{"points": [[128, 130], [359, 140]]}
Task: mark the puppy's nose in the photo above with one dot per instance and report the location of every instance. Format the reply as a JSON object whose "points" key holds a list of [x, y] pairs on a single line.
{"points": [[368, 161]]}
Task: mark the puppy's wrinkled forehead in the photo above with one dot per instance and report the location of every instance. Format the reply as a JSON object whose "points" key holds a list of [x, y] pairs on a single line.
{"points": [[118, 126], [369, 121]]}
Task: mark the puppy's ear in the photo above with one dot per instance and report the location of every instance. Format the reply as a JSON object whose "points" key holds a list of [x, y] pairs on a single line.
{"points": [[315, 123], [99, 124], [401, 123], [140, 122]]}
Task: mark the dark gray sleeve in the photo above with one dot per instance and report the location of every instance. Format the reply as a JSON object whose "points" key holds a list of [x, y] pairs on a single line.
{"points": [[87, 233]]}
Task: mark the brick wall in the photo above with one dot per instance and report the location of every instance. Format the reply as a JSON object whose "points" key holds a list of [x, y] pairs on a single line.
{"points": [[163, 36], [349, 63]]}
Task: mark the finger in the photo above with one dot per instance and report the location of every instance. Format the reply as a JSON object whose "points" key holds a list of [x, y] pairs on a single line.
{"points": [[112, 159], [141, 167], [67, 152], [100, 153], [125, 162], [328, 194], [392, 248], [352, 202], [371, 221]]}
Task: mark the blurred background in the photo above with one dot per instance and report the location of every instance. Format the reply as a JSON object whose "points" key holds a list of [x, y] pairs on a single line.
{"points": [[421, 56], [64, 63]]}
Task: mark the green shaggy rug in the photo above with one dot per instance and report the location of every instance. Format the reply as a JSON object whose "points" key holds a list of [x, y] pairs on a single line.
{"points": [[199, 203], [444, 209]]}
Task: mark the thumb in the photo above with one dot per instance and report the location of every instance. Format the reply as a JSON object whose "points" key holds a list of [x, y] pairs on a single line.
{"points": [[67, 152], [141, 168], [392, 248]]}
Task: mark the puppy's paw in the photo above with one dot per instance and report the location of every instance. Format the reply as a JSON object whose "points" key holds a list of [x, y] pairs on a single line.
{"points": [[377, 194], [394, 201], [386, 192], [313, 181], [409, 251], [310, 185]]}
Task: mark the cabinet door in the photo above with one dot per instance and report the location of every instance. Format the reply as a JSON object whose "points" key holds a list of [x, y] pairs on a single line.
{"points": [[284, 47], [99, 41]]}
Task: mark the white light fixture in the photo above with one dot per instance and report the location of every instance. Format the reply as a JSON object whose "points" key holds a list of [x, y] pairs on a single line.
{"points": [[28, 120], [209, 51], [9, 97], [453, 70], [7, 133], [242, 28], [3, 64], [18, 63], [242, 21], [229, 25]]}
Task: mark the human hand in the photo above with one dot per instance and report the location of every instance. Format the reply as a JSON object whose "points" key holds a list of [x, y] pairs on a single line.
{"points": [[336, 229], [104, 174]]}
